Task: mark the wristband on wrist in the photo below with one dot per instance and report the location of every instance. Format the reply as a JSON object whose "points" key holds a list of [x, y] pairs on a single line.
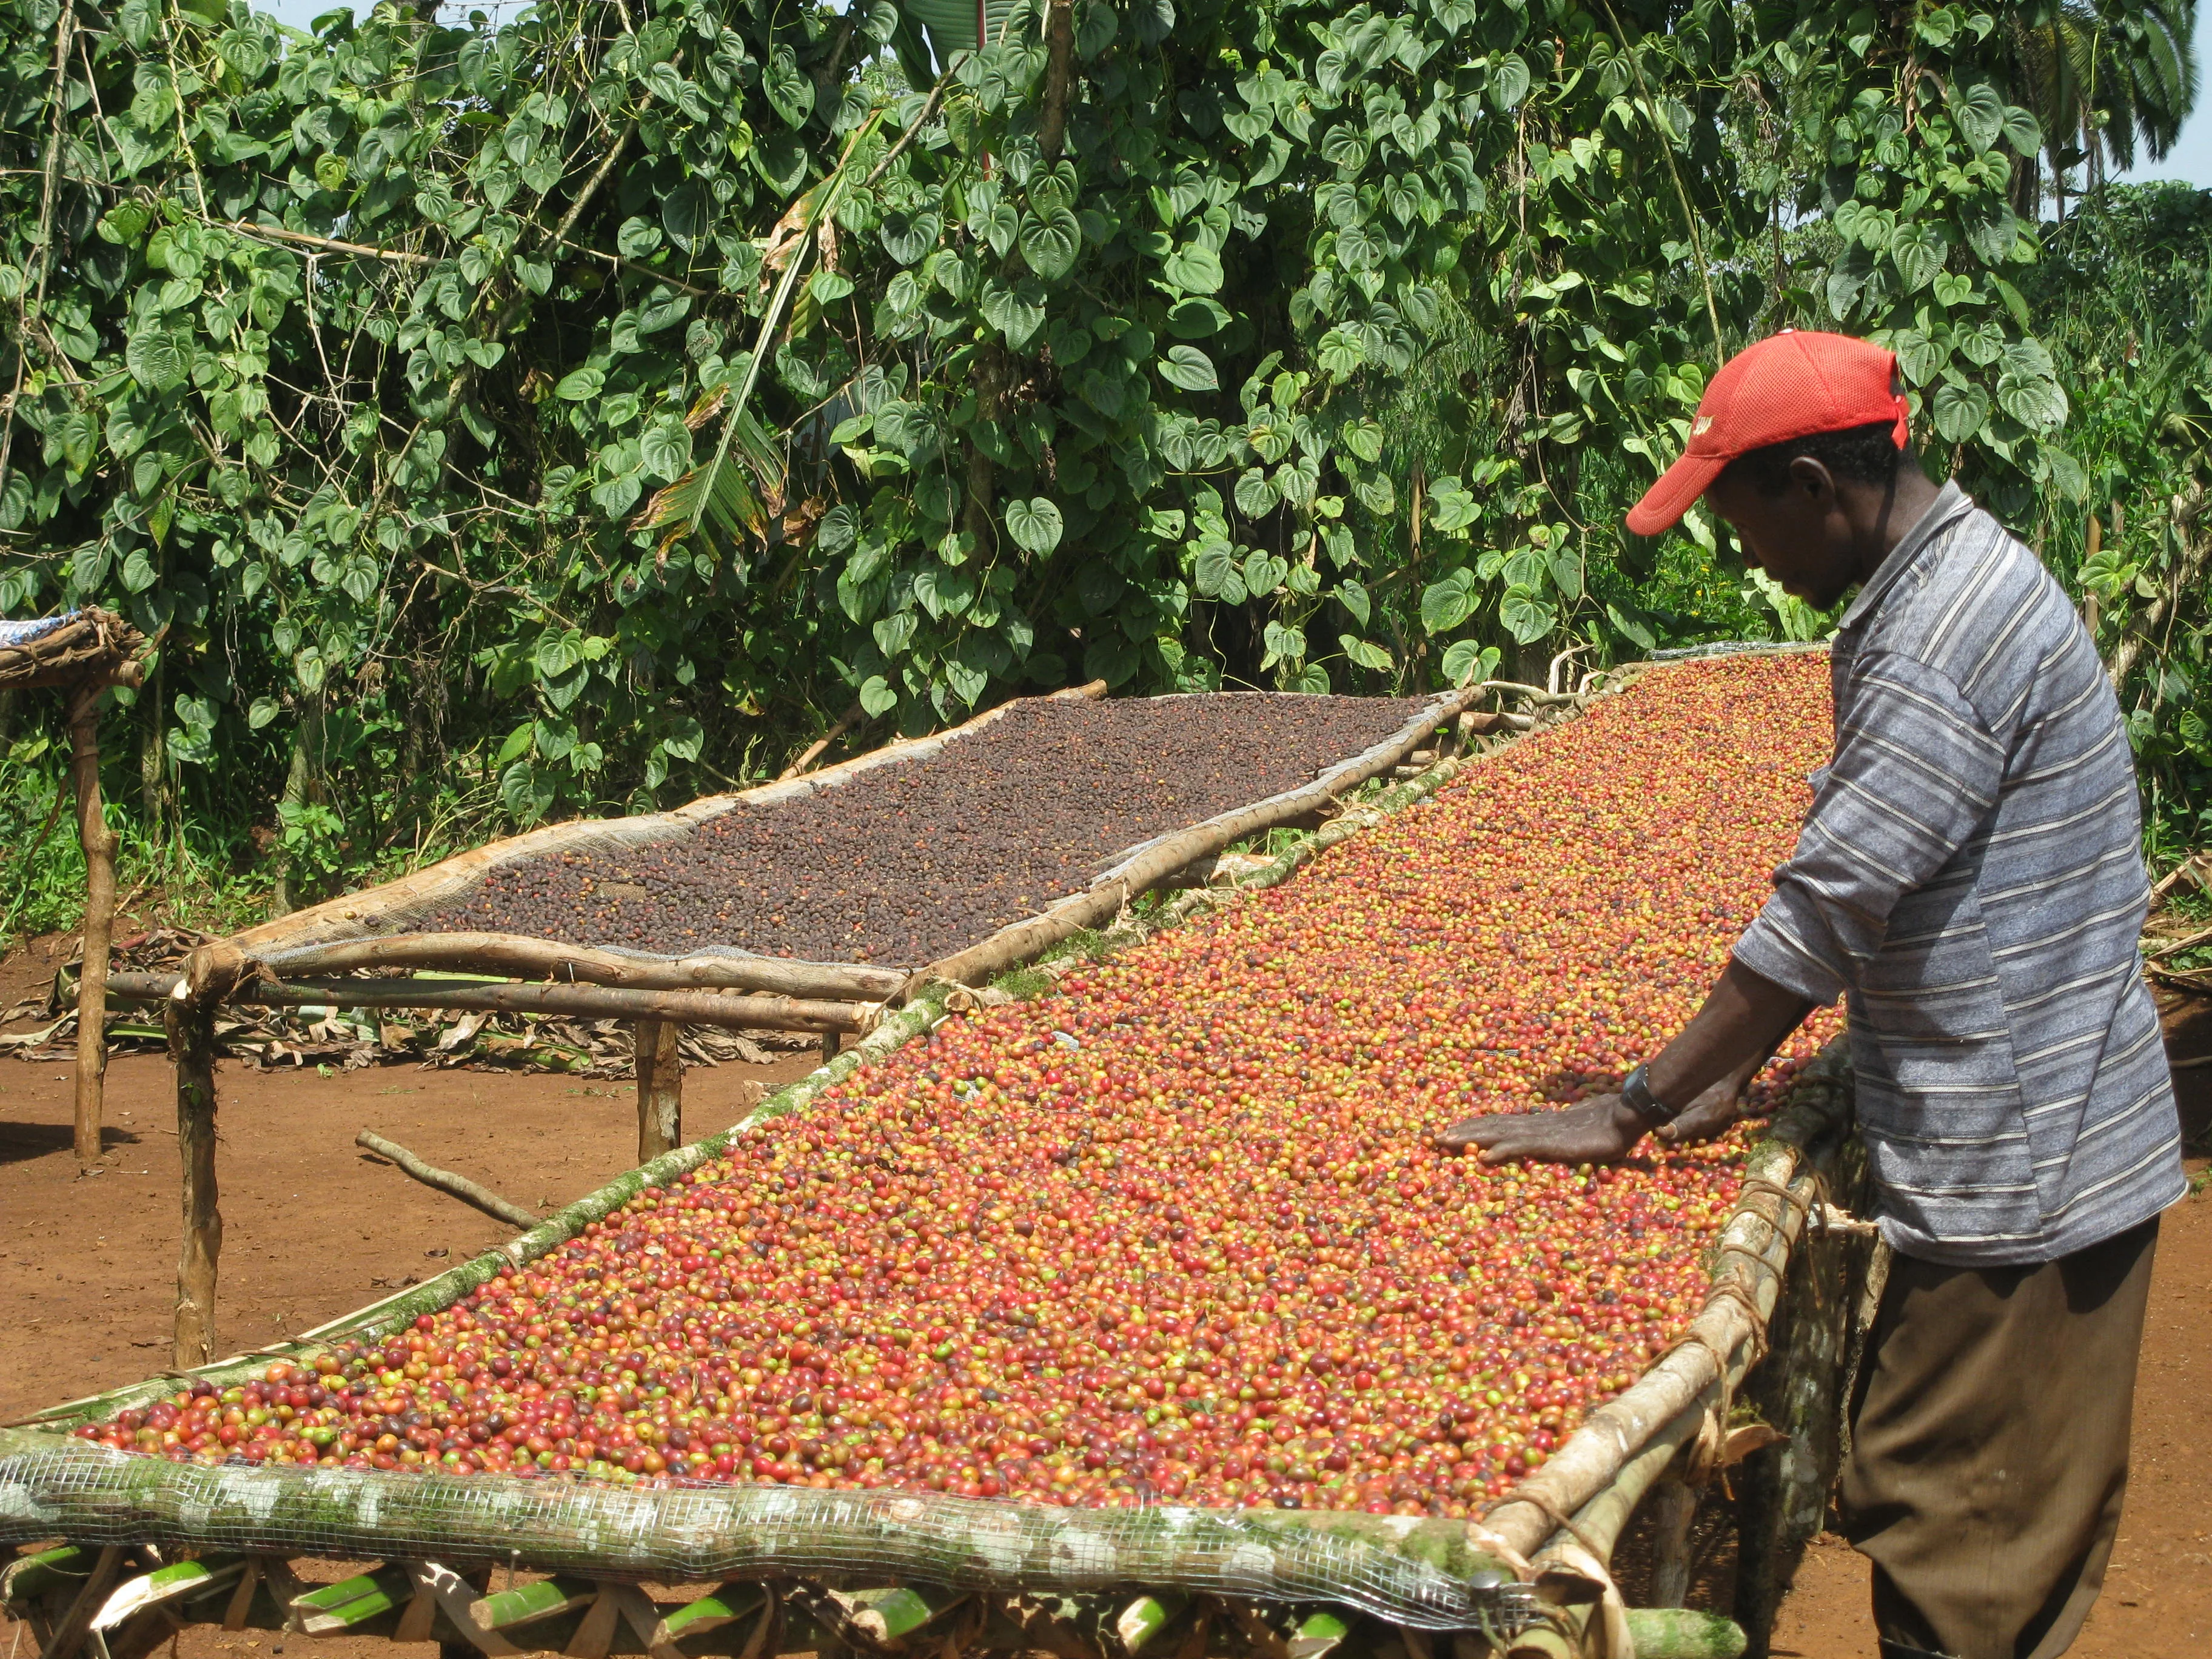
{"points": [[1636, 1094]]}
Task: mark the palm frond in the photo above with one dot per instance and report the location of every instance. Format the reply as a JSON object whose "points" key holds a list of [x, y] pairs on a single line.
{"points": [[733, 495]]}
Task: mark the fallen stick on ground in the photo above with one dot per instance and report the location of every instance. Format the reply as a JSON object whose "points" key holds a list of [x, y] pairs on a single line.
{"points": [[456, 1186], [2194, 870]]}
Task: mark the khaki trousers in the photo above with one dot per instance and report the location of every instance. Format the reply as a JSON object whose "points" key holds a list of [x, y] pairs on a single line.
{"points": [[1990, 1447]]}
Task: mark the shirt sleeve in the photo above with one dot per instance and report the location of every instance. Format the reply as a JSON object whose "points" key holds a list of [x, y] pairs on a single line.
{"points": [[1916, 772]]}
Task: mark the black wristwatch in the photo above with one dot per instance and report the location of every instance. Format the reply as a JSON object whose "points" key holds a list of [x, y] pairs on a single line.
{"points": [[1636, 1095]]}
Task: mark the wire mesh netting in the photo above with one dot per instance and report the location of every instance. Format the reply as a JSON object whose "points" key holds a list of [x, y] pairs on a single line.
{"points": [[1420, 1572]]}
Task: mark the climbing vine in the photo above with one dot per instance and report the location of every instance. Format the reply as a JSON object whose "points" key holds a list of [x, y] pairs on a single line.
{"points": [[611, 398]]}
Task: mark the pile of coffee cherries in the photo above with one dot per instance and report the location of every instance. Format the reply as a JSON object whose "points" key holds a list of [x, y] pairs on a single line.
{"points": [[1178, 1232]]}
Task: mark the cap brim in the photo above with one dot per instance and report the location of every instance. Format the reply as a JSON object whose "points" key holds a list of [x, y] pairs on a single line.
{"points": [[1676, 492]]}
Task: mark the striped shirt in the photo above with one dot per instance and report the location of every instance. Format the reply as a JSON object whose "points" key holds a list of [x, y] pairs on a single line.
{"points": [[1970, 876]]}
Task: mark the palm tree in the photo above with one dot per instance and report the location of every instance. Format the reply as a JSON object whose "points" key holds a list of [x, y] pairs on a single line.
{"points": [[2102, 76]]}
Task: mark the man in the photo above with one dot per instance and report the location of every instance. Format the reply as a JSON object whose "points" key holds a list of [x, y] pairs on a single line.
{"points": [[1970, 877]]}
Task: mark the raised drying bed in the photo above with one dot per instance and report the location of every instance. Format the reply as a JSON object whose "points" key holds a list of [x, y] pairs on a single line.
{"points": [[904, 864], [367, 950], [850, 879], [950, 857], [908, 1570]]}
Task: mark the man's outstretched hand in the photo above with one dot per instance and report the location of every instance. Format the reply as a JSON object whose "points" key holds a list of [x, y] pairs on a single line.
{"points": [[1599, 1130]]}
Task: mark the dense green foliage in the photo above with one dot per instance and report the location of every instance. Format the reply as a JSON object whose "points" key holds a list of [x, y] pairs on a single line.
{"points": [[582, 415], [2126, 294]]}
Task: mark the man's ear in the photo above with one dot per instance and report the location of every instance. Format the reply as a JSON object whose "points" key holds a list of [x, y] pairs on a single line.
{"points": [[1812, 477]]}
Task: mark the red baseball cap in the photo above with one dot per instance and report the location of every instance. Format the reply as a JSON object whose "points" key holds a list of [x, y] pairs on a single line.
{"points": [[1791, 385]]}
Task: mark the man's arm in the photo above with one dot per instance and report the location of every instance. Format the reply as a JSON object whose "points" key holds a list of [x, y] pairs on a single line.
{"points": [[1744, 1020]]}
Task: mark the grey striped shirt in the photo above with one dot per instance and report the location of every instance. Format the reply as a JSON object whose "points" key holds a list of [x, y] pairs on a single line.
{"points": [[1971, 877]]}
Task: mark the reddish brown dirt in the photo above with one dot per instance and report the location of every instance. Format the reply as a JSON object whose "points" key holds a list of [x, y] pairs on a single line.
{"points": [[2157, 1603], [28, 968]]}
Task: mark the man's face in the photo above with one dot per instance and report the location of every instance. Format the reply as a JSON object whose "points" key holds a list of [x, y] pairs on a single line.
{"points": [[1802, 536]]}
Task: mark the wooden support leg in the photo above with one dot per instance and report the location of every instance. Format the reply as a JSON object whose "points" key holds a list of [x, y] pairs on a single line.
{"points": [[99, 844], [191, 1050], [1673, 1505], [830, 1045], [68, 1635], [659, 1089]]}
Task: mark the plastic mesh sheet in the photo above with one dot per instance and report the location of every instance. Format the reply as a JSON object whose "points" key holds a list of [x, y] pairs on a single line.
{"points": [[23, 633], [1736, 649], [1419, 1572]]}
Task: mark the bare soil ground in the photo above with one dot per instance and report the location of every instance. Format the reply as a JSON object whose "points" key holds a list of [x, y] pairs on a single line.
{"points": [[314, 1228]]}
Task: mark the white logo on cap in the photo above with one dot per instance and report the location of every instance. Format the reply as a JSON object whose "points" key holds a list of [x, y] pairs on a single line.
{"points": [[1701, 426]]}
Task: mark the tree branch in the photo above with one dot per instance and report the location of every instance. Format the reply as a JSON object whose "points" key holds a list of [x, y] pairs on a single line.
{"points": [[1058, 73], [476, 1197]]}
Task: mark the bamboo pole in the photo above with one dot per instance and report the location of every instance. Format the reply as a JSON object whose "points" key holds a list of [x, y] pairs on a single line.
{"points": [[1600, 1522], [1680, 1633], [456, 1186], [576, 1001], [100, 847], [659, 1089], [536, 959], [1802, 1392], [191, 1051], [1658, 1632], [1533, 694]]}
